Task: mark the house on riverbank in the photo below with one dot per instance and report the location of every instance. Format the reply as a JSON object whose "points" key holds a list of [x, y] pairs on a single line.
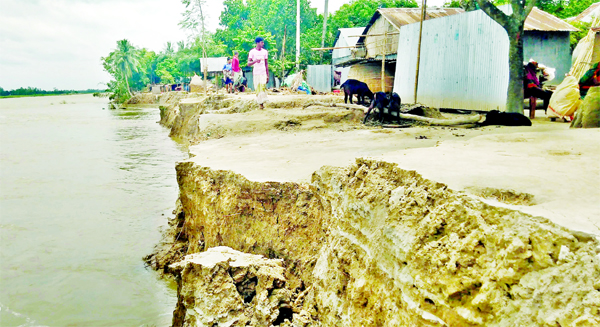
{"points": [[379, 42], [463, 62]]}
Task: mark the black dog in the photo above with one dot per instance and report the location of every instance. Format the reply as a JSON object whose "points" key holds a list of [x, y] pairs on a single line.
{"points": [[359, 88], [496, 117], [386, 105]]}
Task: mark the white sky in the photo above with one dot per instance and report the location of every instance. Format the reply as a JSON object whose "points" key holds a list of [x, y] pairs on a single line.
{"points": [[58, 43]]}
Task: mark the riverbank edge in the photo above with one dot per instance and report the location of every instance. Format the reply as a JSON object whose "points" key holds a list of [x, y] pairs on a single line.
{"points": [[208, 198]]}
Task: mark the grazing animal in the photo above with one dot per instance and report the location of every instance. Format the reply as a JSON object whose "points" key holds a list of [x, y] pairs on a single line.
{"points": [[496, 117], [380, 101], [386, 105], [359, 88]]}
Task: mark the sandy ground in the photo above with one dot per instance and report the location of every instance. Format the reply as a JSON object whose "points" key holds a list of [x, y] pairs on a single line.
{"points": [[558, 166]]}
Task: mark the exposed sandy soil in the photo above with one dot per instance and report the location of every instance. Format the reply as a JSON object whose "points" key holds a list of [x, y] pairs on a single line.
{"points": [[547, 169], [371, 242]]}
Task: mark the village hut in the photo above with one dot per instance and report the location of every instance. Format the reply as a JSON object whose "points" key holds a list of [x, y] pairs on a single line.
{"points": [[342, 54], [379, 44], [214, 66], [345, 41], [546, 39], [586, 16], [464, 59]]}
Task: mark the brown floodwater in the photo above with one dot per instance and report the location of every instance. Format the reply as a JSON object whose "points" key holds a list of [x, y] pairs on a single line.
{"points": [[83, 193]]}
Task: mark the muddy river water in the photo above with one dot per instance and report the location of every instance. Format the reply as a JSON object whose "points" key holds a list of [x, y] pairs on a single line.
{"points": [[83, 193]]}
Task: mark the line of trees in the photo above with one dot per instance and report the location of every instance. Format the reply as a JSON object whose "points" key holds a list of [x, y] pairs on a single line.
{"points": [[241, 22], [33, 91]]}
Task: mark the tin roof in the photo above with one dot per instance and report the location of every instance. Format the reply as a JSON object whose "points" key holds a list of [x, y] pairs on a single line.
{"points": [[349, 34], [404, 16], [539, 20], [588, 14]]}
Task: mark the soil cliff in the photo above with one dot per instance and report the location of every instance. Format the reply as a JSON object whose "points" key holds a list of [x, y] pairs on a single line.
{"points": [[375, 245]]}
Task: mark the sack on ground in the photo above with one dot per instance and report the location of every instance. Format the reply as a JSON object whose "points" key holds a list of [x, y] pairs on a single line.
{"points": [[565, 100]]}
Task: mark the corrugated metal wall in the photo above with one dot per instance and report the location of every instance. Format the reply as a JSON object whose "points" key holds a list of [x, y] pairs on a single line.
{"points": [[320, 77], [464, 63], [549, 48]]}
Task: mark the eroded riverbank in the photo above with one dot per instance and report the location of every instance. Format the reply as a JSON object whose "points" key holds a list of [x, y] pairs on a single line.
{"points": [[369, 243]]}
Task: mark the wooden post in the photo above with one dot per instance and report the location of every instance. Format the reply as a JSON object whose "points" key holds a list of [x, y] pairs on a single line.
{"points": [[423, 12], [383, 61]]}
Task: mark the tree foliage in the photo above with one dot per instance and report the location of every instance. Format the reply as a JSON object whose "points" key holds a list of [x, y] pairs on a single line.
{"points": [[559, 8], [241, 21], [34, 91]]}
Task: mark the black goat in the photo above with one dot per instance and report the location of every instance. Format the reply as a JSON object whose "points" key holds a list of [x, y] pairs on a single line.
{"points": [[496, 117], [359, 88], [386, 105]]}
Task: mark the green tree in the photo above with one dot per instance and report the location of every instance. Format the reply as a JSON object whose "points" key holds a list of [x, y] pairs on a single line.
{"points": [[565, 8], [241, 22], [126, 61], [358, 13]]}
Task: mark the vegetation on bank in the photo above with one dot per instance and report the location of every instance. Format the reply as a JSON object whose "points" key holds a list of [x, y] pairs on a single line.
{"points": [[241, 21], [34, 92], [133, 68]]}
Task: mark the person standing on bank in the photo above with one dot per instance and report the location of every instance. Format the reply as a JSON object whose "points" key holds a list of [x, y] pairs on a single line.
{"points": [[258, 57], [237, 72]]}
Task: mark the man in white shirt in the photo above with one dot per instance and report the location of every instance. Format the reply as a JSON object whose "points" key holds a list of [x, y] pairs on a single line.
{"points": [[258, 58]]}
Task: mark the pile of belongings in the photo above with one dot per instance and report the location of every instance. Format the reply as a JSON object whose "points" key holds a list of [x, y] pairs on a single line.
{"points": [[570, 93], [296, 83]]}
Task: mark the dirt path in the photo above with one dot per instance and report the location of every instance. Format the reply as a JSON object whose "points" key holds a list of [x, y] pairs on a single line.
{"points": [[547, 170]]}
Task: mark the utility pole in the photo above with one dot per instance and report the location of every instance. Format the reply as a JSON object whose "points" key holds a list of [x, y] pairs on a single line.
{"points": [[324, 28], [298, 35], [283, 57]]}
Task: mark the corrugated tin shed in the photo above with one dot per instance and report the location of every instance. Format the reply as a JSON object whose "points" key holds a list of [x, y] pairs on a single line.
{"points": [[587, 15], [539, 20], [389, 20], [346, 37], [463, 63], [213, 64], [404, 16], [320, 77], [349, 36]]}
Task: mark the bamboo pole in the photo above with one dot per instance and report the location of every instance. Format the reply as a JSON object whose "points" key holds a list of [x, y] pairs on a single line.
{"points": [[423, 12], [380, 34], [334, 48], [443, 122], [383, 62]]}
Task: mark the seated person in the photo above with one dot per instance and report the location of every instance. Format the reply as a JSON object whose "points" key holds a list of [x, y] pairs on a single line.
{"points": [[337, 77], [532, 86], [228, 76], [589, 79]]}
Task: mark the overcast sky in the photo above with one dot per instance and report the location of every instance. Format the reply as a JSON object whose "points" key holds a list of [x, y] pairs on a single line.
{"points": [[58, 43]]}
